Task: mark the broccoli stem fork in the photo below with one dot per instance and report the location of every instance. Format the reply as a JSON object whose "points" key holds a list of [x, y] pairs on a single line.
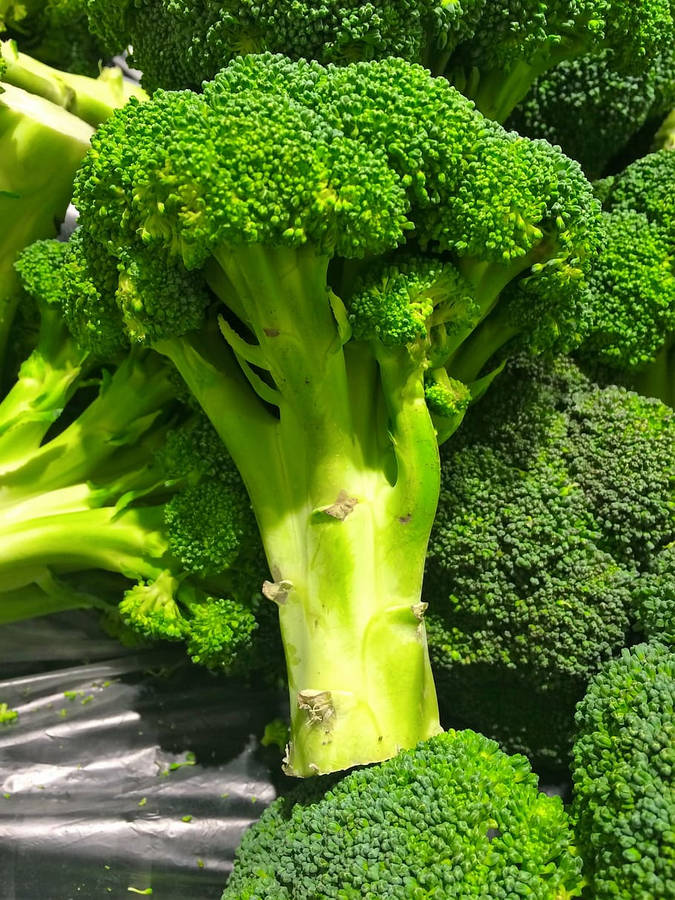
{"points": [[335, 519]]}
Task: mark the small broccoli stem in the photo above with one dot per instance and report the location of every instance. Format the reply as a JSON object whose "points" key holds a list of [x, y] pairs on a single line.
{"points": [[127, 406], [105, 538], [45, 383], [91, 99], [41, 147], [498, 91], [664, 139], [493, 333], [248, 430]]}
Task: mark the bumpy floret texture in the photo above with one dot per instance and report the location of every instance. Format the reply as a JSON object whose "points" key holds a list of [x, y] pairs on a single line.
{"points": [[654, 598], [454, 817], [623, 761], [646, 186], [345, 160], [554, 494], [591, 109], [633, 288]]}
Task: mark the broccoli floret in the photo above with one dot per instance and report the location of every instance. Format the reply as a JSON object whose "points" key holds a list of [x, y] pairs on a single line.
{"points": [[555, 495], [453, 817], [623, 760], [592, 108], [127, 481], [492, 51], [291, 188], [654, 598], [55, 32]]}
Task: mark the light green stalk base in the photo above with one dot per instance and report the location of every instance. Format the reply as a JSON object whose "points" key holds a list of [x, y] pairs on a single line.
{"points": [[344, 482]]}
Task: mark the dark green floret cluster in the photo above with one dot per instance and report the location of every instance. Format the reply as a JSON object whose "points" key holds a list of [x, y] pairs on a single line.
{"points": [[492, 51], [623, 760], [55, 32], [555, 524], [454, 817]]}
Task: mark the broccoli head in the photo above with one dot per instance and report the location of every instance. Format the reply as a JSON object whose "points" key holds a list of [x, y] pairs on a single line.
{"points": [[453, 817], [555, 495], [324, 254], [623, 759]]}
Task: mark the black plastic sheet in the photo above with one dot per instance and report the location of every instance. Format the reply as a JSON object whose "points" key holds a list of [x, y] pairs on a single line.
{"points": [[124, 770]]}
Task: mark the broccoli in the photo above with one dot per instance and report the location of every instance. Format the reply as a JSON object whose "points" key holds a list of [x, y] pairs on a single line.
{"points": [[453, 817], [555, 496], [42, 139], [633, 279], [624, 755], [665, 136], [492, 51], [593, 110], [291, 187], [41, 146], [91, 99], [103, 467], [55, 32], [654, 598]]}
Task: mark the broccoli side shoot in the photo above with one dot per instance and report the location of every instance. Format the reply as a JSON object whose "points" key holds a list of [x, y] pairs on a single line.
{"points": [[91, 99], [624, 754], [454, 817], [357, 227], [103, 467]]}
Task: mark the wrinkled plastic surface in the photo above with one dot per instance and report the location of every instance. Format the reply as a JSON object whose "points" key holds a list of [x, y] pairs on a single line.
{"points": [[98, 791]]}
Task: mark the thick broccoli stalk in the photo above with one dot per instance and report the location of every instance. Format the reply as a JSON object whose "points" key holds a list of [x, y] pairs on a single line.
{"points": [[455, 817], [492, 51], [623, 760], [55, 32], [90, 99], [291, 186], [41, 146], [102, 468]]}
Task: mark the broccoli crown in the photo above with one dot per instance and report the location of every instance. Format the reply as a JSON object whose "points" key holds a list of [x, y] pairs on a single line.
{"points": [[554, 493], [89, 279], [623, 759], [454, 817], [632, 287], [646, 186], [654, 598], [512, 30], [591, 109], [55, 32], [348, 161]]}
